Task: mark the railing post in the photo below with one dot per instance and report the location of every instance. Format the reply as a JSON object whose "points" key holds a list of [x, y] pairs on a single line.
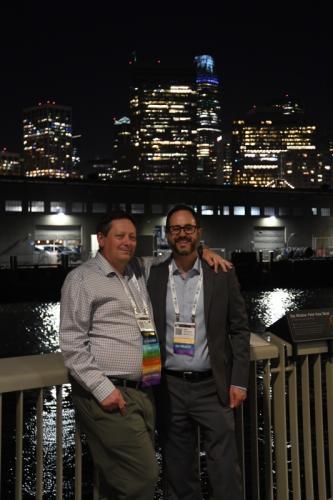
{"points": [[320, 447], [268, 431], [294, 433], [0, 440], [39, 446], [239, 423], [78, 461], [254, 468], [19, 446], [280, 424], [306, 413], [329, 398], [59, 462]]}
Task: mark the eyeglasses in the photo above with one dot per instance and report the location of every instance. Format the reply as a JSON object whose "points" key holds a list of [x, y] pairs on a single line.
{"points": [[188, 229]]}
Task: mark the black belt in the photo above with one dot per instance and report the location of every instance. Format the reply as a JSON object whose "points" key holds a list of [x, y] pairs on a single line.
{"points": [[190, 376], [123, 382]]}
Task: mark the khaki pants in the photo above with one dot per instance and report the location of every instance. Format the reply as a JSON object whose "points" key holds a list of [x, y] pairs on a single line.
{"points": [[122, 447]]}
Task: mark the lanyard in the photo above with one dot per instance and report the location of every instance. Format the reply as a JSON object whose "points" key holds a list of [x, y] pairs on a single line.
{"points": [[131, 298], [174, 294]]}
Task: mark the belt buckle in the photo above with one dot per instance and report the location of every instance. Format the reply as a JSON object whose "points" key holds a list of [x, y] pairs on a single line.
{"points": [[188, 375]]}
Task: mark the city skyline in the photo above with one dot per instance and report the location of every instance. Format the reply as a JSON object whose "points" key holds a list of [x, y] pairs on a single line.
{"points": [[82, 61]]}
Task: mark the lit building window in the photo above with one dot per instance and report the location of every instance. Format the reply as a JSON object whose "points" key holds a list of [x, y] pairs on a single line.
{"points": [[269, 211], [255, 211], [78, 207], [99, 207], [207, 210], [13, 206], [325, 212], [314, 211], [137, 208], [226, 210], [238, 210], [36, 206], [57, 207]]}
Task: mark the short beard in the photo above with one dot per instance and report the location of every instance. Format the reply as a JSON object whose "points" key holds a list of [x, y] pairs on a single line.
{"points": [[185, 251]]}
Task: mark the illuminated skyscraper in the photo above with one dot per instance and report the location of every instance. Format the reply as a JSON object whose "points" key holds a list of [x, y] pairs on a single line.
{"points": [[274, 146], [208, 119], [175, 122], [163, 107], [47, 140], [124, 160]]}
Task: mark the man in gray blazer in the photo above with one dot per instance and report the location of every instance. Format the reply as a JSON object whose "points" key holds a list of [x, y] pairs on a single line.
{"points": [[203, 330]]}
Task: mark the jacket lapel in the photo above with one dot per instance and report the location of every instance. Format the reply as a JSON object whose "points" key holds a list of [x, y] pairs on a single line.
{"points": [[208, 283]]}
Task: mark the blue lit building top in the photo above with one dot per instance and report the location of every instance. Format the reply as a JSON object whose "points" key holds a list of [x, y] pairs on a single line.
{"points": [[205, 70], [205, 63]]}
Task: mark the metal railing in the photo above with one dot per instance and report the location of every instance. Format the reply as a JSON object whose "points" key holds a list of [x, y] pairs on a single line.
{"points": [[285, 430]]}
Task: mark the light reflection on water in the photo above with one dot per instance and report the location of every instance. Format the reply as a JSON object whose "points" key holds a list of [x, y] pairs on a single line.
{"points": [[268, 306], [31, 328]]}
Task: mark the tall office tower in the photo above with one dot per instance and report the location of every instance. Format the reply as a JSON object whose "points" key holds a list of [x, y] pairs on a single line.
{"points": [[208, 120], [10, 163], [47, 140], [163, 109], [124, 160], [274, 147]]}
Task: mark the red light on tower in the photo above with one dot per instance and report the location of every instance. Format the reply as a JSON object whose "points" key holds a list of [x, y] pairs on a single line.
{"points": [[158, 61]]}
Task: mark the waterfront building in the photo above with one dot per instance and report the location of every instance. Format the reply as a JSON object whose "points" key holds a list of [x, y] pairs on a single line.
{"points": [[234, 218], [10, 163], [47, 141], [274, 146]]}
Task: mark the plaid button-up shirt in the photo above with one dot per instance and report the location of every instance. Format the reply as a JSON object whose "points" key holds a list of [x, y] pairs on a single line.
{"points": [[99, 335]]}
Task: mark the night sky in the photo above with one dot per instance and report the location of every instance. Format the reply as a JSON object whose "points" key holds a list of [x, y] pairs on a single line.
{"points": [[78, 56]]}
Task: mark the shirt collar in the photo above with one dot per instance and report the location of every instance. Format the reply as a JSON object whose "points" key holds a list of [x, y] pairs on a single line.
{"points": [[194, 270], [107, 268]]}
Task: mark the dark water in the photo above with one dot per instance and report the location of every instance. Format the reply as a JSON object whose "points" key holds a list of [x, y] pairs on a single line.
{"points": [[31, 328]]}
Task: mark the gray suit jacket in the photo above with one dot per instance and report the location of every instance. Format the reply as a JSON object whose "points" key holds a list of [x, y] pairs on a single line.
{"points": [[226, 324]]}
